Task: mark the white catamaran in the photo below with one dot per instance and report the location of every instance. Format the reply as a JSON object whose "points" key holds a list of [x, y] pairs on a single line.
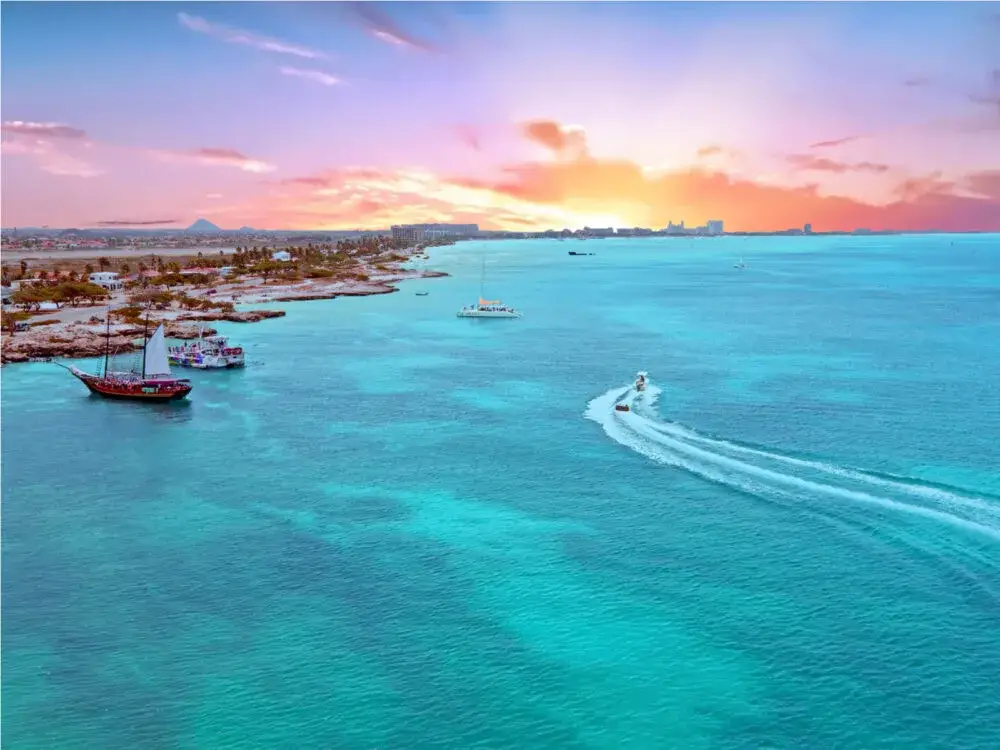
{"points": [[486, 308]]}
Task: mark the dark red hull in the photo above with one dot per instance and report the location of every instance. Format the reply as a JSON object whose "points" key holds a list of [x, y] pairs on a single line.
{"points": [[137, 390]]}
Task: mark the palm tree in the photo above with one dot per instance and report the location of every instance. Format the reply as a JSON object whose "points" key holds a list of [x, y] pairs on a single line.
{"points": [[24, 269], [103, 263], [125, 269]]}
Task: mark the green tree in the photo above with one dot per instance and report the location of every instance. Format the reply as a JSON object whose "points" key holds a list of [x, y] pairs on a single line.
{"points": [[103, 263], [267, 267], [92, 292], [31, 297]]}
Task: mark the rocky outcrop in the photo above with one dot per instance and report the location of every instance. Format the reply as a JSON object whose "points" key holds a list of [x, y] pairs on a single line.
{"points": [[242, 316], [78, 340], [308, 297], [369, 291]]}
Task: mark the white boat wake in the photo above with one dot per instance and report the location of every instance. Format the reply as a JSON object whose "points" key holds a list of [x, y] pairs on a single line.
{"points": [[779, 477]]}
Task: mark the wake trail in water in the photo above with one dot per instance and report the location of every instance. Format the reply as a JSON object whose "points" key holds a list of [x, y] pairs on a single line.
{"points": [[774, 475]]}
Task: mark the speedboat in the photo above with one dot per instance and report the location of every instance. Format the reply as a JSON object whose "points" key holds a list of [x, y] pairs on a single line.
{"points": [[422, 294], [640, 381], [621, 407]]}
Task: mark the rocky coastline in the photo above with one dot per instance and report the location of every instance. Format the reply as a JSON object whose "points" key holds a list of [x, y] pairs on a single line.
{"points": [[77, 339]]}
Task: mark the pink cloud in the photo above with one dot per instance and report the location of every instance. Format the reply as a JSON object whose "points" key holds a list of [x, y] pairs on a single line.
{"points": [[41, 129], [381, 26], [470, 136], [836, 142], [248, 38], [136, 223], [317, 76], [51, 146], [223, 157], [567, 140], [821, 164]]}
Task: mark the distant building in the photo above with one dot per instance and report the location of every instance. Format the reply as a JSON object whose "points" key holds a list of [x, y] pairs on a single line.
{"points": [[807, 229], [714, 226], [106, 279], [421, 232], [225, 270], [281, 256], [408, 232]]}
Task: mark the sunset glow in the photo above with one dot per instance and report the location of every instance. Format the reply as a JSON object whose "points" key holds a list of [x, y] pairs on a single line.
{"points": [[513, 116]]}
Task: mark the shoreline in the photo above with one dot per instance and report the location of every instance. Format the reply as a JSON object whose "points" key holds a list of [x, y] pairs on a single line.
{"points": [[80, 332]]}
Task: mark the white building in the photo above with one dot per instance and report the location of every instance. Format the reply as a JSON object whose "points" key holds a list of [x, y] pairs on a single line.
{"points": [[281, 255], [225, 271], [714, 226], [107, 279]]}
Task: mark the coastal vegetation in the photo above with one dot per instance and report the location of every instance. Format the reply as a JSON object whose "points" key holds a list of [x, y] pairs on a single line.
{"points": [[31, 298], [196, 287]]}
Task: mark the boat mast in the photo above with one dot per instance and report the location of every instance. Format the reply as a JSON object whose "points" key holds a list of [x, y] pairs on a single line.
{"points": [[107, 341], [145, 341], [482, 279]]}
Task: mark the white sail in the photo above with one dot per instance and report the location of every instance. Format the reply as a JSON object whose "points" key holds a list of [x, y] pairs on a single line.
{"points": [[156, 362]]}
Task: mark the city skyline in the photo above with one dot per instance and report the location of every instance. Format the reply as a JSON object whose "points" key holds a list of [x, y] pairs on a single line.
{"points": [[520, 117]]}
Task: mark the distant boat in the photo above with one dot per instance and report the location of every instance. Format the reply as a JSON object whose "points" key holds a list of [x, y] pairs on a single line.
{"points": [[741, 264], [485, 308], [422, 294], [573, 252], [153, 382]]}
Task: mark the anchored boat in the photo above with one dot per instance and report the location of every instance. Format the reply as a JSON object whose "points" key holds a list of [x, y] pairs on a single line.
{"points": [[207, 353], [153, 381], [486, 308]]}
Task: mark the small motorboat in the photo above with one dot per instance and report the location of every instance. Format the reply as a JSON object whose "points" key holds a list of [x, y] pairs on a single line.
{"points": [[422, 294], [640, 381], [621, 407]]}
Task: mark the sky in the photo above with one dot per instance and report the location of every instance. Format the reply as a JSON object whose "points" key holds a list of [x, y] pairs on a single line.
{"points": [[516, 116]]}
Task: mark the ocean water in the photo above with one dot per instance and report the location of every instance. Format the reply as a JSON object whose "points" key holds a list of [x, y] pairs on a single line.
{"points": [[401, 529]]}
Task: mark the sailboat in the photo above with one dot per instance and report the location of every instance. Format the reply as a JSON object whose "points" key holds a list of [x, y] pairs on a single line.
{"points": [[152, 383], [741, 264], [486, 308]]}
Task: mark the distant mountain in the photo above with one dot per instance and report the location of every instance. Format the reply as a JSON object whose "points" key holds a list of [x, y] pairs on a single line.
{"points": [[203, 225], [246, 229]]}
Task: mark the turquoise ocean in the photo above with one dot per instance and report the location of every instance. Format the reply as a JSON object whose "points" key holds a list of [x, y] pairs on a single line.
{"points": [[401, 529]]}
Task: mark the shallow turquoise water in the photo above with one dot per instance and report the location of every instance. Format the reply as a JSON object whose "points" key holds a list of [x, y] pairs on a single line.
{"points": [[407, 530]]}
